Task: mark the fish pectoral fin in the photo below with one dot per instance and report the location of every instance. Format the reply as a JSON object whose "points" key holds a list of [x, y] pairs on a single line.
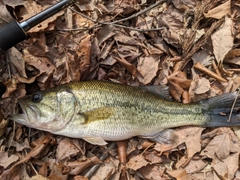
{"points": [[95, 140], [167, 136], [98, 114]]}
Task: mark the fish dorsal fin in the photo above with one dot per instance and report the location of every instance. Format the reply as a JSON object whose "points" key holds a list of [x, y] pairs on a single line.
{"points": [[95, 140], [159, 90]]}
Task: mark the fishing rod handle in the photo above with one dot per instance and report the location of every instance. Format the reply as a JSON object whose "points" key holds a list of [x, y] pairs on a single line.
{"points": [[10, 35]]}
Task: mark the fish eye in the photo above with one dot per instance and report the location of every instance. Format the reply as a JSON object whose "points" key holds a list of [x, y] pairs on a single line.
{"points": [[37, 97]]}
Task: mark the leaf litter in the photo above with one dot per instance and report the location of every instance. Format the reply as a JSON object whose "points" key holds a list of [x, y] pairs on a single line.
{"points": [[195, 51]]}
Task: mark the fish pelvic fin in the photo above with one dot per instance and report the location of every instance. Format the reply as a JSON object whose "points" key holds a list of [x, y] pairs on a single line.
{"points": [[223, 110], [95, 140], [167, 136]]}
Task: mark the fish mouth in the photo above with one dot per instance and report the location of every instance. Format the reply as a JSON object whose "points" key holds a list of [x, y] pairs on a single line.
{"points": [[26, 113]]}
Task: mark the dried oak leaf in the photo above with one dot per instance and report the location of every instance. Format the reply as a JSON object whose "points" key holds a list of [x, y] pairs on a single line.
{"points": [[148, 67], [18, 61], [5, 161], [222, 40], [219, 11], [130, 67], [20, 146], [151, 172], [15, 172], [106, 170], [11, 86], [195, 166], [137, 162], [178, 174], [105, 33], [202, 86], [14, 3], [77, 167], [220, 146], [5, 15], [65, 149], [226, 168]]}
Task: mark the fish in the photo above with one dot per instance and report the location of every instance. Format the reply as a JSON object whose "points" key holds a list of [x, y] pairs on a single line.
{"points": [[99, 111]]}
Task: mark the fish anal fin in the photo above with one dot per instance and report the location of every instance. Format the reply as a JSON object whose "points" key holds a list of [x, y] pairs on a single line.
{"points": [[167, 136], [95, 140]]}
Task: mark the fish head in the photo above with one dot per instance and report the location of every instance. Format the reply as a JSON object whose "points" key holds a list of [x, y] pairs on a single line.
{"points": [[49, 110]]}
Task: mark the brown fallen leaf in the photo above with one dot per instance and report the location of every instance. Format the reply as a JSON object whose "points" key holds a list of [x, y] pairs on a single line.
{"points": [[5, 161], [65, 149], [137, 162], [195, 166], [152, 172], [148, 67], [83, 51], [219, 11], [202, 86], [3, 125], [130, 67], [11, 86], [79, 166], [80, 178], [105, 171], [15, 172], [58, 171], [18, 61], [38, 177], [176, 91], [178, 174], [38, 149], [227, 167], [222, 40], [219, 146]]}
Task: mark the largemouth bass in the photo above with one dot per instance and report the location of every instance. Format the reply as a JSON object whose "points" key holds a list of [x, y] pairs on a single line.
{"points": [[102, 111]]}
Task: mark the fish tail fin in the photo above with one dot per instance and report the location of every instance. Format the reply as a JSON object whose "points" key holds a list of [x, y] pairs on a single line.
{"points": [[223, 110]]}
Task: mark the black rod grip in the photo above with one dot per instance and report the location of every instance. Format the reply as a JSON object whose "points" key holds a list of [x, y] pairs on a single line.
{"points": [[10, 35]]}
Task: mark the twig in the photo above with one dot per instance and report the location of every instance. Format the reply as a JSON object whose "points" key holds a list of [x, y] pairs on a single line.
{"points": [[205, 70], [141, 12], [235, 100], [216, 68], [114, 23]]}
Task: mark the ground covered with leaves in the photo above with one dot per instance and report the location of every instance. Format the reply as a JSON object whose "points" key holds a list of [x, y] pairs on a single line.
{"points": [[191, 46]]}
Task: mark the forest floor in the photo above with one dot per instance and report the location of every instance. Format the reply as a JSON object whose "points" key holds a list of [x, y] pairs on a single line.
{"points": [[191, 46]]}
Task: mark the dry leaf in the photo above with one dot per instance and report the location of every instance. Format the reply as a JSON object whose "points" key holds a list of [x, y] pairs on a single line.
{"points": [[5, 161], [152, 172], [17, 60], [222, 40], [148, 67], [219, 11], [219, 145], [65, 149], [178, 174], [227, 167], [202, 86], [137, 162], [105, 171], [3, 124]]}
